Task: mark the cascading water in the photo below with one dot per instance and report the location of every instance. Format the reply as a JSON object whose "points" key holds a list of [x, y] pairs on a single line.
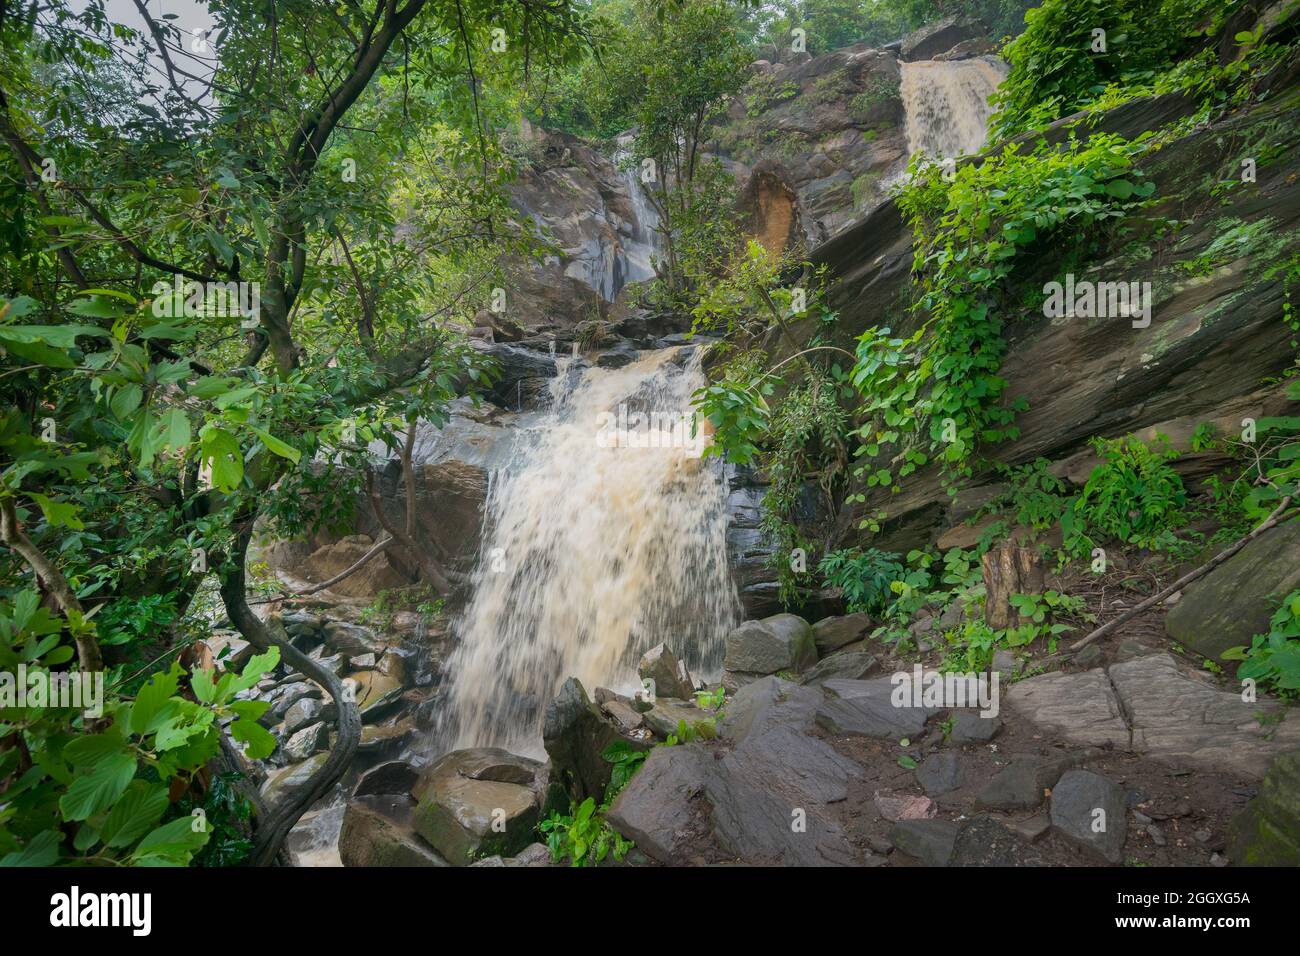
{"points": [[605, 536], [947, 104]]}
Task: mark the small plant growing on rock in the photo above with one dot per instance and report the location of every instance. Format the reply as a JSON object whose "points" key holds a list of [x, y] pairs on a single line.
{"points": [[1273, 659], [583, 837]]}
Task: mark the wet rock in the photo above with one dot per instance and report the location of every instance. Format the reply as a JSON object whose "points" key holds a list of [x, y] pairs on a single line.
{"points": [[663, 808], [377, 831], [969, 727], [385, 740], [575, 733], [350, 639], [930, 841], [669, 674], [984, 841], [627, 717], [1267, 831], [832, 633], [307, 741], [1089, 810], [940, 773], [287, 780], [781, 643], [666, 718], [302, 713], [463, 816], [393, 777]]}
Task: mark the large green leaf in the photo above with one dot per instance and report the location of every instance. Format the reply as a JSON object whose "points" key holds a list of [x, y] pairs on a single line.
{"points": [[98, 790], [139, 809]]}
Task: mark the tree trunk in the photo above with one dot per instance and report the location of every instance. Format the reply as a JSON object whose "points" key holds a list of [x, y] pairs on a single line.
{"points": [[1009, 570]]}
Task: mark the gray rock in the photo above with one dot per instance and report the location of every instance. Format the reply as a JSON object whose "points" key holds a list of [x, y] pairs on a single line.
{"points": [[669, 674], [1090, 811], [351, 639], [307, 741], [1082, 707], [1004, 663], [865, 708], [666, 717], [575, 733], [626, 716], [1034, 828], [1021, 784], [1091, 656], [363, 662], [937, 38], [940, 773], [377, 832], [930, 841], [832, 633], [969, 727], [473, 803], [663, 808], [302, 713], [842, 665], [1234, 602], [287, 780], [783, 642], [985, 842]]}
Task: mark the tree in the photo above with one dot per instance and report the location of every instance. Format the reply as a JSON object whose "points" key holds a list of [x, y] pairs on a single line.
{"points": [[261, 250]]}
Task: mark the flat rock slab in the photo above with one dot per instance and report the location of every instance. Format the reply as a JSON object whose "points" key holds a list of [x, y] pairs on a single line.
{"points": [[1082, 708], [940, 773], [865, 708], [1177, 717], [842, 665], [1153, 706]]}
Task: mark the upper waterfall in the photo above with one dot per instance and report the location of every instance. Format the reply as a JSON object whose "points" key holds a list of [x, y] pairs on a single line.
{"points": [[947, 104]]}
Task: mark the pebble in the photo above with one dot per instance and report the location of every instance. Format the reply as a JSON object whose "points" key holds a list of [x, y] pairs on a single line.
{"points": [[1141, 819], [1157, 835], [1202, 836]]}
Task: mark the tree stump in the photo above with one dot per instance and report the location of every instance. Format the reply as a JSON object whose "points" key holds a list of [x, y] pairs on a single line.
{"points": [[1009, 569]]}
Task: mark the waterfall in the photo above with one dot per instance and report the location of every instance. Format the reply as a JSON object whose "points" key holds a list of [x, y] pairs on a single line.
{"points": [[604, 536], [644, 241], [947, 104]]}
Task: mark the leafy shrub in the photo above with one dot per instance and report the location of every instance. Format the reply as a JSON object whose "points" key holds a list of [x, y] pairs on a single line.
{"points": [[582, 836], [104, 783], [864, 577], [1132, 496], [1273, 659]]}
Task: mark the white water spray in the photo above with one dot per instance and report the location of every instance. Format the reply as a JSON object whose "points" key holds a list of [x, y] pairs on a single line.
{"points": [[593, 552]]}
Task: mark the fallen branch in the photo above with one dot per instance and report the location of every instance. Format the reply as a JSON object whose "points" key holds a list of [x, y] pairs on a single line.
{"points": [[1186, 579]]}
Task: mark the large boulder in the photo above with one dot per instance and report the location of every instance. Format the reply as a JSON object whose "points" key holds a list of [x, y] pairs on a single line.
{"points": [[377, 831], [477, 802], [776, 644], [832, 633], [1267, 832], [1234, 602], [664, 809]]}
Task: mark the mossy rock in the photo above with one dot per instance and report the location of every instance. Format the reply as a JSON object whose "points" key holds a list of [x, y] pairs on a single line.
{"points": [[1267, 832]]}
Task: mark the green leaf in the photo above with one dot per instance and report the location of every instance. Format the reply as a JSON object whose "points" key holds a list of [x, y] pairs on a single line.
{"points": [[99, 789], [278, 447], [91, 749], [41, 850], [171, 844], [148, 714], [59, 514], [139, 809], [174, 428], [261, 743], [125, 401]]}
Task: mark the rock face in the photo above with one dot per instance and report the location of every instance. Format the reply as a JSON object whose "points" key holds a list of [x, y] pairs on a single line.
{"points": [[1267, 832], [935, 39], [864, 708], [828, 129], [477, 802], [1234, 602], [1217, 327]]}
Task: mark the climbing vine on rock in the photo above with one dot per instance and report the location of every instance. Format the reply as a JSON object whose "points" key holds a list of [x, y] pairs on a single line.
{"points": [[935, 393]]}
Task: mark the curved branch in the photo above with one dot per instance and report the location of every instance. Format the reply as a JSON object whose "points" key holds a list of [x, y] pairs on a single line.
{"points": [[274, 827]]}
